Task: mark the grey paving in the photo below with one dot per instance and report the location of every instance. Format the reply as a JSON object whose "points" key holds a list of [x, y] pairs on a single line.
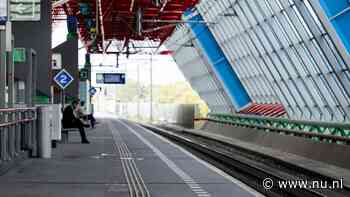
{"points": [[156, 171], [75, 170], [96, 169]]}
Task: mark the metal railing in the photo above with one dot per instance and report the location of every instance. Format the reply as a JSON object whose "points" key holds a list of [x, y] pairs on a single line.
{"points": [[18, 132], [319, 131]]}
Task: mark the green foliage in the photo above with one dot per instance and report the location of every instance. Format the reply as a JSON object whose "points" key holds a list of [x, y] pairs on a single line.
{"points": [[178, 93], [127, 92]]}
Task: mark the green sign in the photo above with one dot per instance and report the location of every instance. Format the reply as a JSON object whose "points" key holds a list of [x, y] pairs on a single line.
{"points": [[19, 55], [84, 74], [25, 10]]}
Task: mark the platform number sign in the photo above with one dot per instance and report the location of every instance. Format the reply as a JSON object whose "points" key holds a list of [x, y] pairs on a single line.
{"points": [[3, 12], [92, 91], [63, 79]]}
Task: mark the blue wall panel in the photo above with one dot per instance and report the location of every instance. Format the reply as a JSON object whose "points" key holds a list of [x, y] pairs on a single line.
{"points": [[341, 22], [220, 63]]}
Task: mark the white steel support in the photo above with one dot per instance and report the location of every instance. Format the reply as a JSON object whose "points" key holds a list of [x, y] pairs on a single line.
{"points": [[2, 69], [284, 51], [151, 88]]}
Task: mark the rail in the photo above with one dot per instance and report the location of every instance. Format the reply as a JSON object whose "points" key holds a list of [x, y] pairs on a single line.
{"points": [[17, 132], [318, 131], [249, 166]]}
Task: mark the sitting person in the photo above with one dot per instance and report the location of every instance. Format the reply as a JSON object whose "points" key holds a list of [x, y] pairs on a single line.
{"points": [[71, 120], [83, 115]]}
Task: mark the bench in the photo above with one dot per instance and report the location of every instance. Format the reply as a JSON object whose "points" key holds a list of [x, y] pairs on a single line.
{"points": [[65, 134]]}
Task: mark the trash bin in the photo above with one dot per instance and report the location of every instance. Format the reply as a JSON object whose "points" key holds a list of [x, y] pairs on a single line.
{"points": [[44, 132], [56, 123]]}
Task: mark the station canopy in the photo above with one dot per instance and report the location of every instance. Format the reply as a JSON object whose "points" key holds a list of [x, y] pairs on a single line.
{"points": [[122, 24]]}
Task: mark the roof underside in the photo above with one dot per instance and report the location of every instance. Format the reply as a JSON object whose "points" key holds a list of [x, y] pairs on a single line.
{"points": [[123, 20]]}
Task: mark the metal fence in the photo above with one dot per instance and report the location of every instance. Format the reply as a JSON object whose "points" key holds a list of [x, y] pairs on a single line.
{"points": [[317, 131], [17, 132]]}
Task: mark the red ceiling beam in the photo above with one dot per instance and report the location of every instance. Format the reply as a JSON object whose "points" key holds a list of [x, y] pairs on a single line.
{"points": [[118, 19]]}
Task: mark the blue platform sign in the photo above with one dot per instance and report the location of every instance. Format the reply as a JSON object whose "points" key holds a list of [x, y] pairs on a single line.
{"points": [[3, 12], [92, 91], [3, 20], [63, 79]]}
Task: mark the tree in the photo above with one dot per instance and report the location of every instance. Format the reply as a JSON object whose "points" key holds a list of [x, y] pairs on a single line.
{"points": [[178, 93]]}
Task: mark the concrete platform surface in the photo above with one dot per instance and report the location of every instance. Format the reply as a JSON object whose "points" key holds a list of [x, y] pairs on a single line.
{"points": [[122, 160]]}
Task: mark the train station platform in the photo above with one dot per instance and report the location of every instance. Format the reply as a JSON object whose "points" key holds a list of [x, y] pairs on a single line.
{"points": [[122, 160]]}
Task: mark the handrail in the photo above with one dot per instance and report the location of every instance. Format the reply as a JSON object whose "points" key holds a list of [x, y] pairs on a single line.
{"points": [[17, 109], [7, 124], [306, 122], [320, 137], [335, 132], [18, 132], [9, 111]]}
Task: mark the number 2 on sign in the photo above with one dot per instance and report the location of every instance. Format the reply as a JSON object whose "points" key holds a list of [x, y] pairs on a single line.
{"points": [[63, 79]]}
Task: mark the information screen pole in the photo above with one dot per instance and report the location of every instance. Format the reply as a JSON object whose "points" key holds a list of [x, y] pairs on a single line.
{"points": [[2, 67], [3, 41], [151, 93]]}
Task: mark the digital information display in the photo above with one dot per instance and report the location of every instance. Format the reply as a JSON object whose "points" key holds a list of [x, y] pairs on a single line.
{"points": [[110, 78], [99, 78]]}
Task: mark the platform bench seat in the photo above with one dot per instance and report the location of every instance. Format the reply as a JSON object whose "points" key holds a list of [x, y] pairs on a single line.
{"points": [[65, 134]]}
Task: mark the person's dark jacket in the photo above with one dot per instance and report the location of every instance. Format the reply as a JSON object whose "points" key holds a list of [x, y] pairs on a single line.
{"points": [[68, 117]]}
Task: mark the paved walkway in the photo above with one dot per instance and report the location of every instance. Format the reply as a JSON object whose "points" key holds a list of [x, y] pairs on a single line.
{"points": [[122, 160]]}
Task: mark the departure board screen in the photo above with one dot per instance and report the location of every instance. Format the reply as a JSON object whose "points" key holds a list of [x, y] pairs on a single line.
{"points": [[110, 78]]}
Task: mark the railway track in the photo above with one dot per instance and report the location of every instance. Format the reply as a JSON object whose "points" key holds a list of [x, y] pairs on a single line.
{"points": [[250, 167]]}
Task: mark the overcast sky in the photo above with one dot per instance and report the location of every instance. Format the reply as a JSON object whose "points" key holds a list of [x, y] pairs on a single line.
{"points": [[165, 70]]}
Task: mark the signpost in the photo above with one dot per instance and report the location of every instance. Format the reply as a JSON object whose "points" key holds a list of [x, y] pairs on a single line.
{"points": [[3, 47], [92, 91], [56, 61], [63, 79], [84, 74], [3, 12], [19, 55], [25, 10]]}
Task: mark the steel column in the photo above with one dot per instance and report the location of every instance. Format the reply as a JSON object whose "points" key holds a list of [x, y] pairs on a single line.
{"points": [[11, 96], [2, 69], [219, 62], [151, 85], [2, 90]]}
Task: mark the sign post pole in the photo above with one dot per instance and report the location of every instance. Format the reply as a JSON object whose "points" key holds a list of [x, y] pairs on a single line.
{"points": [[63, 80], [3, 20], [10, 67], [63, 98], [2, 69], [151, 87]]}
